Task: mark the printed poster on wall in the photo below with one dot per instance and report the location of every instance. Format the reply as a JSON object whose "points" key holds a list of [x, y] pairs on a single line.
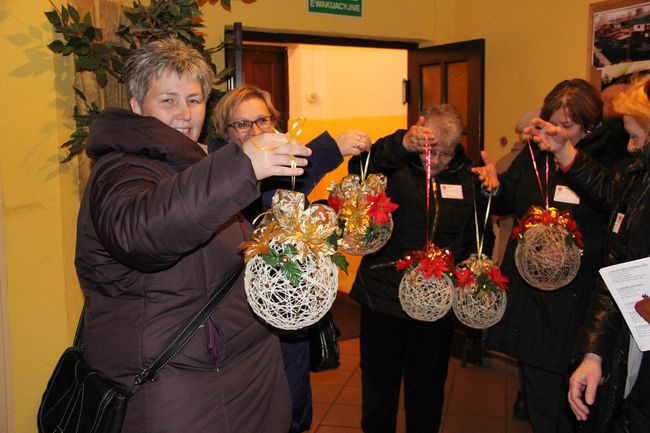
{"points": [[621, 42]]}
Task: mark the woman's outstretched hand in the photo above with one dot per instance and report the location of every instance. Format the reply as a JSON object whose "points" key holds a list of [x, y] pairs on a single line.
{"points": [[272, 155], [353, 142], [487, 174], [551, 138]]}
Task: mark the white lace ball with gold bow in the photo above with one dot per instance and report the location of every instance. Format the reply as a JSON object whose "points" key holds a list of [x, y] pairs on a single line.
{"points": [[290, 279]]}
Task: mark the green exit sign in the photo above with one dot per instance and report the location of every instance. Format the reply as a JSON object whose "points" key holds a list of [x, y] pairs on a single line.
{"points": [[350, 8]]}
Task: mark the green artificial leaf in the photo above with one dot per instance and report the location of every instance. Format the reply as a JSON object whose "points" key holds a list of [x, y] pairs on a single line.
{"points": [[56, 46], [174, 9], [79, 93], [87, 63], [333, 239], [185, 35], [340, 261], [64, 14], [79, 134], [74, 14], [102, 78], [272, 258], [100, 50], [89, 32], [122, 51], [54, 18], [292, 272], [87, 20], [290, 250], [131, 16]]}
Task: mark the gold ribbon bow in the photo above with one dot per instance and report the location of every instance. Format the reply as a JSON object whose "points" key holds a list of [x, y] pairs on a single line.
{"points": [[307, 229]]}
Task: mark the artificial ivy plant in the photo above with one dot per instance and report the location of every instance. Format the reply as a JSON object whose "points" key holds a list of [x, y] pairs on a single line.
{"points": [[94, 54]]}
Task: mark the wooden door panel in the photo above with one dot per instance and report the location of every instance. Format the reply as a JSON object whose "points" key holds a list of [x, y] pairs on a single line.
{"points": [[452, 74], [266, 67]]}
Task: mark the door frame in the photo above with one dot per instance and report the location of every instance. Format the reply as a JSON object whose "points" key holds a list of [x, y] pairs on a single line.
{"points": [[409, 97], [301, 38]]}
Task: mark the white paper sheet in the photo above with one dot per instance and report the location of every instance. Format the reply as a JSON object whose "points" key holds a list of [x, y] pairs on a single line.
{"points": [[628, 282]]}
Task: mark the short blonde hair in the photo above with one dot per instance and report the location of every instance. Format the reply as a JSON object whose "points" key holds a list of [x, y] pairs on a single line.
{"points": [[231, 100], [634, 103]]}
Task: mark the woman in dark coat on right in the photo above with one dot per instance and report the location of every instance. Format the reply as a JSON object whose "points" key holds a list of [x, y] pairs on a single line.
{"points": [[605, 345], [539, 328]]}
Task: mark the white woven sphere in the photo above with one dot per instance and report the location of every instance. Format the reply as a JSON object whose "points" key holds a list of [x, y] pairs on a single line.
{"points": [[544, 259], [425, 299], [478, 312], [274, 299], [355, 244]]}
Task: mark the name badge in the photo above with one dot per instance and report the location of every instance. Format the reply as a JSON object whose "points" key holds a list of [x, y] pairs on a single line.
{"points": [[617, 222], [565, 194], [451, 191]]}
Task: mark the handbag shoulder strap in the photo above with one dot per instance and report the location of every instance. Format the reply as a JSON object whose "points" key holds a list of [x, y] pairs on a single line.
{"points": [[149, 373]]}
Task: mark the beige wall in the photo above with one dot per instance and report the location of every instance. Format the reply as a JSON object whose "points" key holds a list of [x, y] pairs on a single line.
{"points": [[530, 45]]}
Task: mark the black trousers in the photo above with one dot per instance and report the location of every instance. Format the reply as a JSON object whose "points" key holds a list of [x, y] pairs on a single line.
{"points": [[393, 349], [546, 400]]}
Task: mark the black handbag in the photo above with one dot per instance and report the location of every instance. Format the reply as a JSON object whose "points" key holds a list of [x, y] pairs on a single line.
{"points": [[79, 399], [323, 349]]}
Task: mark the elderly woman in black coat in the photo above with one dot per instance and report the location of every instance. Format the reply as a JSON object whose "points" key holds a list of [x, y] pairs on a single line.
{"points": [[394, 346]]}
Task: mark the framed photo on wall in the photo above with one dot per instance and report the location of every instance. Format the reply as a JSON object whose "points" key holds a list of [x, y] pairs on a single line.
{"points": [[619, 41]]}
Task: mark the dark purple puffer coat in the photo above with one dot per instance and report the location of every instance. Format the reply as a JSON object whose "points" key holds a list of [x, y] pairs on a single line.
{"points": [[158, 234]]}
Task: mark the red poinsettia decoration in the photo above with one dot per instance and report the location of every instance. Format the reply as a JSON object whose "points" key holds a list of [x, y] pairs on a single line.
{"points": [[430, 266], [495, 275], [479, 276], [464, 277], [380, 208], [405, 263], [435, 262], [550, 216], [335, 202]]}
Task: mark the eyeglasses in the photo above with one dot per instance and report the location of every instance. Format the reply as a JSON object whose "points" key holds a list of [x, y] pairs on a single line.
{"points": [[244, 126], [441, 155]]}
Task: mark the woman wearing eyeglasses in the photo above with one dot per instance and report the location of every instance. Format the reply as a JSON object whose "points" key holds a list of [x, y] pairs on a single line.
{"points": [[393, 346], [245, 112]]}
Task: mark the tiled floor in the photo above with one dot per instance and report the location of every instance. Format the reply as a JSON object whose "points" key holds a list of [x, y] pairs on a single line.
{"points": [[477, 399]]}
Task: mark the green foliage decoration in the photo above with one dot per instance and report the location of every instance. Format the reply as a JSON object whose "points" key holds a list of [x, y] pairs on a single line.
{"points": [[144, 23]]}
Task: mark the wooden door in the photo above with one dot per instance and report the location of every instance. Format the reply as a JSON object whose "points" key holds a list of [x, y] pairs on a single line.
{"points": [[266, 67], [452, 74]]}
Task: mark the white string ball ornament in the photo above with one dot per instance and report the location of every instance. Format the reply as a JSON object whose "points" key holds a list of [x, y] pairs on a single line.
{"points": [[282, 305], [474, 309], [426, 299], [544, 259], [479, 312]]}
